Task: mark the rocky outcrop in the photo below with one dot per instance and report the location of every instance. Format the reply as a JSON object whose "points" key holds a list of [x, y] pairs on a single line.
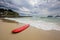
{"points": [[8, 13]]}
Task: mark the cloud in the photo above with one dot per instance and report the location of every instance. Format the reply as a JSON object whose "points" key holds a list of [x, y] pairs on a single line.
{"points": [[42, 7], [50, 7], [58, 0]]}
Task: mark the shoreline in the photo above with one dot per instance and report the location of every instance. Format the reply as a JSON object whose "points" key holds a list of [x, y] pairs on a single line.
{"points": [[39, 24], [30, 33]]}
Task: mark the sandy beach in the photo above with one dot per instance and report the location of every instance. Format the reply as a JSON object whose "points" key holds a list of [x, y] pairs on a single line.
{"points": [[30, 33]]}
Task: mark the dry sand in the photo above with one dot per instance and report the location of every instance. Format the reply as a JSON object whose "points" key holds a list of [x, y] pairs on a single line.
{"points": [[30, 33]]}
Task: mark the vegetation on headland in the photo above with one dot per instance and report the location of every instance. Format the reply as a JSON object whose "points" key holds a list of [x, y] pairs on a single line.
{"points": [[8, 13]]}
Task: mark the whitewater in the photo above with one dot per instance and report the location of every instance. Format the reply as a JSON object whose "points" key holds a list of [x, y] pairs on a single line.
{"points": [[40, 24]]}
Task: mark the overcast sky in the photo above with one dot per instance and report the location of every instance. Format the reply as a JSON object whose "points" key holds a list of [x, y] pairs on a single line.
{"points": [[40, 7]]}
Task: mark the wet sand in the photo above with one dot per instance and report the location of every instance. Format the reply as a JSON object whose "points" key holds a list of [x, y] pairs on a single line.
{"points": [[30, 33]]}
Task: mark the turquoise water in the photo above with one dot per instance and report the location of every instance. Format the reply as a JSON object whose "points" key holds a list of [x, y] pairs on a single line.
{"points": [[43, 23], [47, 19], [50, 19]]}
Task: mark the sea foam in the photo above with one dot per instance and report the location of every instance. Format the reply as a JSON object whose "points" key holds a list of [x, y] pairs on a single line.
{"points": [[37, 23]]}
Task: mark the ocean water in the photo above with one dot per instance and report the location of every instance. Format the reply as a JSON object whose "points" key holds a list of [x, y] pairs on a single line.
{"points": [[43, 23]]}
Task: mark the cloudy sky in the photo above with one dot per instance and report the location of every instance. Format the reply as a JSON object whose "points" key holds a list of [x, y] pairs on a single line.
{"points": [[38, 7]]}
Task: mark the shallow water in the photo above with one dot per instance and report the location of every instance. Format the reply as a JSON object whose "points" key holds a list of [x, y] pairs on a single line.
{"points": [[40, 23]]}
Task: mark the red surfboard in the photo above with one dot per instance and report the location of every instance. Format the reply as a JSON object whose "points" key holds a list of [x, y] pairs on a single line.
{"points": [[22, 28]]}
